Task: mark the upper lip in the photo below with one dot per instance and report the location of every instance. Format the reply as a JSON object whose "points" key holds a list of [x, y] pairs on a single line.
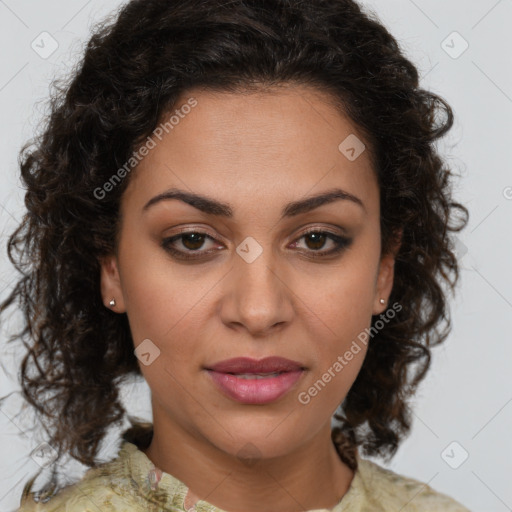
{"points": [[248, 365]]}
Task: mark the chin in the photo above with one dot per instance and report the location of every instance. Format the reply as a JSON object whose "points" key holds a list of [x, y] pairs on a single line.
{"points": [[257, 440]]}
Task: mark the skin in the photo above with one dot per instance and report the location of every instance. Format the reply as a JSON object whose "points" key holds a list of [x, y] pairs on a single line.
{"points": [[257, 152]]}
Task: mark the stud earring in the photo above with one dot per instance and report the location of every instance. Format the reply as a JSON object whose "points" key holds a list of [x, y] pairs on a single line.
{"points": [[112, 303], [382, 301]]}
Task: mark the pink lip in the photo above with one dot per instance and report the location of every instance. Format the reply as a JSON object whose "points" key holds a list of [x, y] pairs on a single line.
{"points": [[254, 390]]}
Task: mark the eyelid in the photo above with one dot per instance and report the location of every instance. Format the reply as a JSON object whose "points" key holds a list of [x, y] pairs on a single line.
{"points": [[167, 242], [341, 242], [194, 229], [312, 229], [321, 229]]}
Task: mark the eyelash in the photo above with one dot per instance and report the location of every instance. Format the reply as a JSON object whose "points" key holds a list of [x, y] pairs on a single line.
{"points": [[340, 241]]}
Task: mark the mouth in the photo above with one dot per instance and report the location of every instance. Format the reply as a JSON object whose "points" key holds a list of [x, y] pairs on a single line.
{"points": [[251, 381], [256, 375]]}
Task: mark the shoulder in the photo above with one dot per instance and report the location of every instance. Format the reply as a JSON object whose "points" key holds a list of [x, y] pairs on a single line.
{"points": [[390, 491], [104, 488], [90, 494]]}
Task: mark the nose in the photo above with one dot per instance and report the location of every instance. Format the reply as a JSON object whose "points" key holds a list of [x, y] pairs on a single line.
{"points": [[258, 295]]}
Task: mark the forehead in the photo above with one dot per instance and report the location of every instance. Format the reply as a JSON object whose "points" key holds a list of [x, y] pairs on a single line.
{"points": [[267, 145]]}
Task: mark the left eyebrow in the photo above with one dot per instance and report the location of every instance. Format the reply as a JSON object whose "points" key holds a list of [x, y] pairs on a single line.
{"points": [[211, 206], [312, 202]]}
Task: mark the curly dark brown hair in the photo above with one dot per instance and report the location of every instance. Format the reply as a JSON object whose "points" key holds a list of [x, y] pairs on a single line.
{"points": [[134, 69]]}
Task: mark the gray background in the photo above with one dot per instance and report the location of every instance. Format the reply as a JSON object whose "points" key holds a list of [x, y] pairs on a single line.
{"points": [[466, 398]]}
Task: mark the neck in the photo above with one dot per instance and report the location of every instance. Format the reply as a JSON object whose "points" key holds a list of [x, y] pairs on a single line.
{"points": [[311, 477]]}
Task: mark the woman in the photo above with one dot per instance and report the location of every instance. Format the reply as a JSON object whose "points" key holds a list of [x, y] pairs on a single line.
{"points": [[242, 203]]}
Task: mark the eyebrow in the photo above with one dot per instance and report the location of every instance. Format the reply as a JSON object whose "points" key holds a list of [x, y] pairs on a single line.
{"points": [[213, 207]]}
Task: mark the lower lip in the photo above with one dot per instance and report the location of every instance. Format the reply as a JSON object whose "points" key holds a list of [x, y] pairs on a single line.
{"points": [[255, 391]]}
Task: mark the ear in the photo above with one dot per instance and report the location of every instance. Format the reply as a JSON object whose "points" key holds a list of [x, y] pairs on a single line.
{"points": [[111, 284], [385, 277]]}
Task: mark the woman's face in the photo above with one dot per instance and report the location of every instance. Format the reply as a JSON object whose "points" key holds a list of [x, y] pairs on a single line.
{"points": [[245, 279]]}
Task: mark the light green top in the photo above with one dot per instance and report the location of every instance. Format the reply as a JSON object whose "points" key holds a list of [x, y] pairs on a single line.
{"points": [[131, 483]]}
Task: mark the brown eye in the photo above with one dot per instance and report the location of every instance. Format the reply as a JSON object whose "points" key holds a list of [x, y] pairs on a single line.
{"points": [[191, 242], [189, 245], [317, 239]]}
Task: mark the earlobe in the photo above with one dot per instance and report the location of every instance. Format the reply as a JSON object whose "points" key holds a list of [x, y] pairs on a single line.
{"points": [[110, 284], [385, 278], [384, 284]]}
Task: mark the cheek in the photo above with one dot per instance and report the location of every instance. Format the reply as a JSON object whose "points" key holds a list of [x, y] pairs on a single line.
{"points": [[342, 309], [338, 346], [343, 297], [159, 295]]}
